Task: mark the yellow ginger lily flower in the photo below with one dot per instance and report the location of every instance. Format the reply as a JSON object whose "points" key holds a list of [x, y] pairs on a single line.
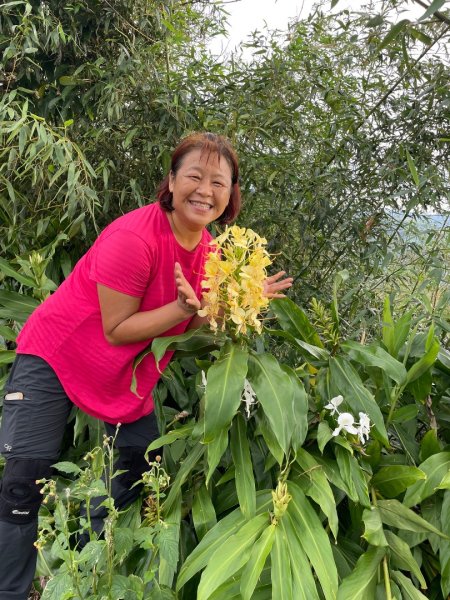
{"points": [[234, 281]]}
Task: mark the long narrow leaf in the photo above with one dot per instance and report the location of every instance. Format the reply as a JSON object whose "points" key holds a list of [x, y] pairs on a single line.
{"points": [[245, 481], [252, 570], [225, 382], [274, 391], [281, 567], [203, 513], [303, 584], [188, 464], [231, 556], [361, 583], [314, 540]]}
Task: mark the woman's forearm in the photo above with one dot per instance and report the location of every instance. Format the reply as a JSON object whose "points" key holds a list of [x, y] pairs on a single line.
{"points": [[148, 324]]}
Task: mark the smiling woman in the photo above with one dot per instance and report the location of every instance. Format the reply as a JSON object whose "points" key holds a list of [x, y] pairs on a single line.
{"points": [[141, 279]]}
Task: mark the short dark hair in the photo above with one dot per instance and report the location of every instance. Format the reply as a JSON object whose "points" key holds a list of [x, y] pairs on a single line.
{"points": [[208, 143]]}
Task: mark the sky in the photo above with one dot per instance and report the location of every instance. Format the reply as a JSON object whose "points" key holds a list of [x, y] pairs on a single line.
{"points": [[248, 15]]}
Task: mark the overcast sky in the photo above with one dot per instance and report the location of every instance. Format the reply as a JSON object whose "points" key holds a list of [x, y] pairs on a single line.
{"points": [[248, 15]]}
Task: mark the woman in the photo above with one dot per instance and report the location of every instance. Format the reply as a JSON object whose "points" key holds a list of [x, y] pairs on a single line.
{"points": [[141, 279]]}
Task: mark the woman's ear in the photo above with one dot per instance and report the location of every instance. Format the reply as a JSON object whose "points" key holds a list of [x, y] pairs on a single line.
{"points": [[171, 180]]}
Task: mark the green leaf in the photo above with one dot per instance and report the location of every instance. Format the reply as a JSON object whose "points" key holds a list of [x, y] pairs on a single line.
{"points": [[215, 451], [303, 583], [245, 481], [435, 468], [17, 303], [392, 34], [361, 583], [425, 363], [300, 409], [216, 537], [402, 557], [281, 575], [314, 541], [409, 590], [6, 269], [203, 513], [67, 467], [7, 333], [392, 481], [225, 382], [388, 327], [353, 476], [231, 556], [59, 587], [318, 488], [294, 320], [412, 168], [186, 467], [434, 6], [324, 435], [348, 383], [397, 515], [374, 356], [252, 570], [180, 433], [405, 414], [7, 356], [274, 390], [429, 445], [373, 527]]}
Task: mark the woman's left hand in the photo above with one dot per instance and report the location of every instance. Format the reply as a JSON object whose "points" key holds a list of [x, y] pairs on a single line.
{"points": [[275, 284]]}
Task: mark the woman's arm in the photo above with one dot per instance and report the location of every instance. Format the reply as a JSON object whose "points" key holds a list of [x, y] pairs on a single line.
{"points": [[123, 323]]}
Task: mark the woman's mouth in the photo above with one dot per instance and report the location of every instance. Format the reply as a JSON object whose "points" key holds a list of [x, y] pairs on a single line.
{"points": [[204, 206]]}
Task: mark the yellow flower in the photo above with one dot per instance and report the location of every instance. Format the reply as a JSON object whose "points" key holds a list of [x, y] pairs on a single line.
{"points": [[234, 281]]}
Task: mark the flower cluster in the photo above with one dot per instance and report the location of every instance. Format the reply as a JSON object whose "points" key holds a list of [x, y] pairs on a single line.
{"points": [[234, 281], [346, 421]]}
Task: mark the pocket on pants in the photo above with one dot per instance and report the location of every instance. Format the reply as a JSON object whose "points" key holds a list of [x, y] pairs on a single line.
{"points": [[15, 408]]}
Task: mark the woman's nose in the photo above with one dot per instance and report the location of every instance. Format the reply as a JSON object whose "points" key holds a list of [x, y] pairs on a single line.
{"points": [[204, 187]]}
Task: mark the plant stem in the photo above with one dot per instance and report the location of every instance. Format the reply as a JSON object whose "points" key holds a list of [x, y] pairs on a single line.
{"points": [[387, 581]]}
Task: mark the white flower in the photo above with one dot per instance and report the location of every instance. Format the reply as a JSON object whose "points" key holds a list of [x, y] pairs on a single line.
{"points": [[249, 397], [364, 427], [345, 421], [204, 380], [334, 403]]}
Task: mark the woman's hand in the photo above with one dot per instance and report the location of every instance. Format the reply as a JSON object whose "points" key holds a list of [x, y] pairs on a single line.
{"points": [[187, 298], [273, 285]]}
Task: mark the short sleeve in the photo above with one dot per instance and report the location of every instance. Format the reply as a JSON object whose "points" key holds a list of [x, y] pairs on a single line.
{"points": [[122, 261]]}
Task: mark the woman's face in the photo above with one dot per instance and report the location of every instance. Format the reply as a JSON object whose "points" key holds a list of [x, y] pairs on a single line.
{"points": [[201, 189]]}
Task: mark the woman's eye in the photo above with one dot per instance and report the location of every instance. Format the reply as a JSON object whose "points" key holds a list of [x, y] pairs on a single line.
{"points": [[218, 183], [195, 177]]}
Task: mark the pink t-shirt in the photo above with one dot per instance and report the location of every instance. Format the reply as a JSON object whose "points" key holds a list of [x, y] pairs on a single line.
{"points": [[134, 255]]}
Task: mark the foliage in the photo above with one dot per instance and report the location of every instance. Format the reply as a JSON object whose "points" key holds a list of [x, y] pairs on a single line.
{"points": [[270, 500]]}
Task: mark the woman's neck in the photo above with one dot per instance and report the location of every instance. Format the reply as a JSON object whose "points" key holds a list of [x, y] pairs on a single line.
{"points": [[186, 238]]}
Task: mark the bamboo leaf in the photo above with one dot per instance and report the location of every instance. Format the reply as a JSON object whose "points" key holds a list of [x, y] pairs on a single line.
{"points": [[245, 481], [361, 583], [412, 168], [203, 513], [231, 556], [252, 570], [274, 390], [435, 468], [281, 575], [225, 382], [6, 269], [314, 540], [434, 6], [393, 33]]}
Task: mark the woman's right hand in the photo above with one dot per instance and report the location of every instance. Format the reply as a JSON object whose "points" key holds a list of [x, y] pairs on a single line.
{"points": [[187, 298]]}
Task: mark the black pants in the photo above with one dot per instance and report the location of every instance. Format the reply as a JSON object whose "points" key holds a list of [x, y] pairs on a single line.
{"points": [[35, 412]]}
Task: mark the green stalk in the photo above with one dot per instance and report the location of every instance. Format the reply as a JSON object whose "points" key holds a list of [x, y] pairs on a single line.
{"points": [[387, 581]]}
